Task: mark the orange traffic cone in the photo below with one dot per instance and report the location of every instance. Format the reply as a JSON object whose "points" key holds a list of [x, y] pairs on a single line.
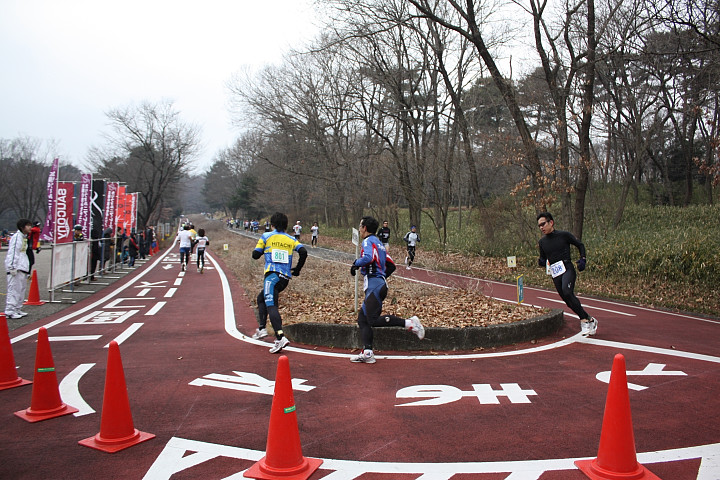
{"points": [[45, 401], [283, 457], [616, 458], [117, 431], [34, 295], [8, 371]]}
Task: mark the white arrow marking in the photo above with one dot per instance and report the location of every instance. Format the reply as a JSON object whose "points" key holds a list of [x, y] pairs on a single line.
{"points": [[248, 382], [653, 369]]}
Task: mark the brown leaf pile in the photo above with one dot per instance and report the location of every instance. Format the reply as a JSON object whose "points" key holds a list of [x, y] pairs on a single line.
{"points": [[325, 291]]}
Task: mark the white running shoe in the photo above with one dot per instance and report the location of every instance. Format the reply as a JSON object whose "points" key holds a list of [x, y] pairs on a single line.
{"points": [[592, 326], [13, 316], [417, 327], [584, 328], [259, 333], [21, 313], [279, 345], [366, 356]]}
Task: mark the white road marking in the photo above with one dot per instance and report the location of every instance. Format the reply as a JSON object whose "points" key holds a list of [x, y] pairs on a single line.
{"points": [[70, 393], [74, 338], [173, 459], [156, 308], [554, 300], [126, 334]]}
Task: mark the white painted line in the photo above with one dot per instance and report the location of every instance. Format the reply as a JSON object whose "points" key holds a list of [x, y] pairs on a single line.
{"points": [[231, 329], [170, 292], [126, 334], [93, 305], [156, 308], [116, 303], [143, 292], [180, 454], [554, 300], [74, 338], [648, 349], [70, 393], [178, 282]]}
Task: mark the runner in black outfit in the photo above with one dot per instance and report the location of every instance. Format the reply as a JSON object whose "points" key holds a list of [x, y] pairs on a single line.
{"points": [[555, 251]]}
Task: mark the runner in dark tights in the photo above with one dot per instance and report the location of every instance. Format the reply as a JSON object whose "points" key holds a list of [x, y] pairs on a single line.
{"points": [[555, 251]]}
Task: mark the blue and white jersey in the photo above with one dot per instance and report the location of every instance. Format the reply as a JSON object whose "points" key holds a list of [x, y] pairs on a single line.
{"points": [[373, 258], [278, 248]]}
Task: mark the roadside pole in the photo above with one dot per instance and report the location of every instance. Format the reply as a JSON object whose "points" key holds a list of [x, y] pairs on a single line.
{"points": [[356, 241]]}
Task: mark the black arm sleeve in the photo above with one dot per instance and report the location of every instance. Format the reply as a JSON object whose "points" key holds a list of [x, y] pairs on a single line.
{"points": [[301, 260], [256, 254], [389, 267]]}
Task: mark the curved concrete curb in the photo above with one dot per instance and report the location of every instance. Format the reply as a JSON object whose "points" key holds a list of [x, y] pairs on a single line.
{"points": [[437, 339]]}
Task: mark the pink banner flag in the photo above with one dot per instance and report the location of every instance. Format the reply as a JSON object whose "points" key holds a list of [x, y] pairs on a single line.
{"points": [[110, 205], [49, 228], [133, 214], [64, 212], [84, 200]]}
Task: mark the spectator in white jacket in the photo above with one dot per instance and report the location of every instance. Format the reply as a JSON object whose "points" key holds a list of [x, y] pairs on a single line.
{"points": [[17, 267]]}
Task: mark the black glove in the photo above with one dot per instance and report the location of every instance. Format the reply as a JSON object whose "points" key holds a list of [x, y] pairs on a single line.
{"points": [[295, 272], [353, 269], [37, 251], [581, 264]]}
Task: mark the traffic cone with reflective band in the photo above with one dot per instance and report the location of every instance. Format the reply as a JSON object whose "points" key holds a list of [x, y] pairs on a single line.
{"points": [[616, 458], [283, 457], [34, 295], [46, 402], [117, 431], [8, 371]]}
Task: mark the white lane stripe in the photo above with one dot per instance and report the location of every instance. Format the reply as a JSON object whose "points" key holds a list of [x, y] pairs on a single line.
{"points": [[70, 393], [126, 334], [170, 293], [174, 459], [231, 329], [178, 282], [143, 292], [156, 308], [74, 338], [554, 300], [91, 306], [648, 349]]}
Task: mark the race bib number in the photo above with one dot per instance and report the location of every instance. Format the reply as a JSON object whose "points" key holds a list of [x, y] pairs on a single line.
{"points": [[280, 256], [557, 269]]}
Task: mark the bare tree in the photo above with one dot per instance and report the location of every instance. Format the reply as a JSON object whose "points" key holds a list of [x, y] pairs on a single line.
{"points": [[25, 166], [152, 150]]}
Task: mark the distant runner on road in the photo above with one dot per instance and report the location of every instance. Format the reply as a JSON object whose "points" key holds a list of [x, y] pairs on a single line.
{"points": [[555, 251]]}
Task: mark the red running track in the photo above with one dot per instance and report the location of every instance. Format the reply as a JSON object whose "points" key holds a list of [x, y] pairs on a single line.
{"points": [[204, 388]]}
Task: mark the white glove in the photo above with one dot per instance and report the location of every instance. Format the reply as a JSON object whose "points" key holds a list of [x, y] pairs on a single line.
{"points": [[13, 272]]}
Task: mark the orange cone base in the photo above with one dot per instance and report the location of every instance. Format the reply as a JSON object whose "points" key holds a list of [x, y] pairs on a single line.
{"points": [[18, 382], [32, 416], [263, 471], [595, 472], [116, 444], [39, 302]]}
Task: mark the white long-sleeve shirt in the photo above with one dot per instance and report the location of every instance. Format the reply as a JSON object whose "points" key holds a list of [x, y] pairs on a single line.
{"points": [[16, 258]]}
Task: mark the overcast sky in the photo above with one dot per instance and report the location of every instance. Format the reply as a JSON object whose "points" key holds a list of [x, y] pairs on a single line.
{"points": [[66, 62]]}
